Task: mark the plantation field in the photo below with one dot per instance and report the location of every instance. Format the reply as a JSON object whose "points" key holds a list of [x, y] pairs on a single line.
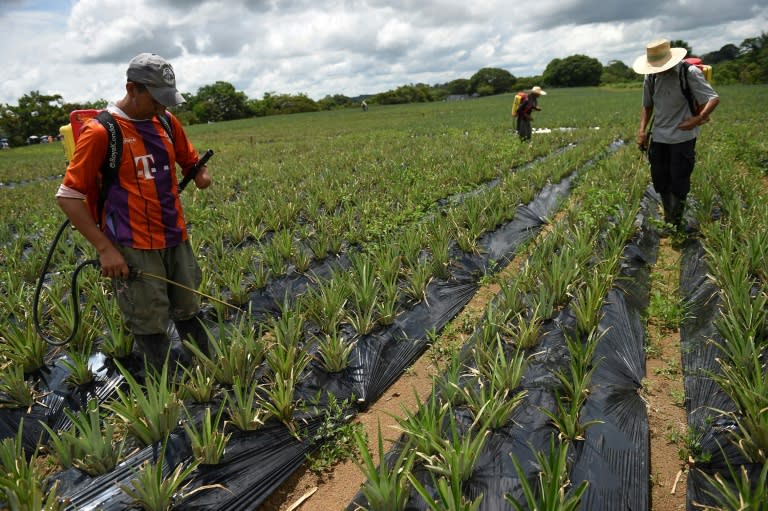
{"points": [[337, 248]]}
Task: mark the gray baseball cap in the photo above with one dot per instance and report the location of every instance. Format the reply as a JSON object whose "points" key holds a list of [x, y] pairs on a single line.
{"points": [[157, 75]]}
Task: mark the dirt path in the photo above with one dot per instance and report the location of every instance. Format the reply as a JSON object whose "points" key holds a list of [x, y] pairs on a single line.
{"points": [[334, 491], [663, 387], [663, 390], [306, 491]]}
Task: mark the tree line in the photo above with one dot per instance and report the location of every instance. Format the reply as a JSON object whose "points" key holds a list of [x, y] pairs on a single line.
{"points": [[40, 114]]}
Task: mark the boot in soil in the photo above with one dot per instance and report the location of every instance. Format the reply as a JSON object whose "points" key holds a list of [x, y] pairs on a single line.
{"points": [[153, 349], [676, 207], [666, 204], [192, 330], [673, 214]]}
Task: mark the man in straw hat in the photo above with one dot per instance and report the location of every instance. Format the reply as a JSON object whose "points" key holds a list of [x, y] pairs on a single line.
{"points": [[524, 111], [671, 149]]}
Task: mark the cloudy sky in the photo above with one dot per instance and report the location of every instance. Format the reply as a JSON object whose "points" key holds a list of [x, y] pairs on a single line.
{"points": [[80, 48]]}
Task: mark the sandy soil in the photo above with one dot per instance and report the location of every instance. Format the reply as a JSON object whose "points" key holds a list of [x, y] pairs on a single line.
{"points": [[663, 391]]}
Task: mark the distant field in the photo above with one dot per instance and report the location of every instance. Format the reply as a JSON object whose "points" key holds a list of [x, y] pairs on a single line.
{"points": [[370, 231]]}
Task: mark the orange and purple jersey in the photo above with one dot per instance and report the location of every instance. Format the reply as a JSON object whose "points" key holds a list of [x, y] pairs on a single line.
{"points": [[142, 209]]}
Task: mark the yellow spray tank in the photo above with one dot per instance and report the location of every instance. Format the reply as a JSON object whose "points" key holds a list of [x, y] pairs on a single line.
{"points": [[70, 132]]}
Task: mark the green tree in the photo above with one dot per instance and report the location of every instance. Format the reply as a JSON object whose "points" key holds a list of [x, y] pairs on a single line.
{"points": [[618, 72], [275, 104], [573, 71], [219, 102], [679, 43], [36, 114], [751, 65], [752, 46], [491, 80], [292, 104], [333, 102], [260, 107], [458, 86], [184, 112], [418, 93], [724, 54]]}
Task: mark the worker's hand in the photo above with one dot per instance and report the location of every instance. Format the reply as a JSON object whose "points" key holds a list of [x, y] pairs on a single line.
{"points": [[203, 178], [692, 122], [642, 140], [113, 264]]}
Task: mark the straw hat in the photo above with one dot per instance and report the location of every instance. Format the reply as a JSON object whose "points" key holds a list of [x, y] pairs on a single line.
{"points": [[659, 56], [538, 91]]}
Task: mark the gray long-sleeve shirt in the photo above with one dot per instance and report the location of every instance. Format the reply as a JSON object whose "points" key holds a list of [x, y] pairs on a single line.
{"points": [[670, 106]]}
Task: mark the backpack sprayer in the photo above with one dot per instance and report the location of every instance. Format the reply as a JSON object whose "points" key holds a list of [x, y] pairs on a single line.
{"points": [[78, 118], [695, 108]]}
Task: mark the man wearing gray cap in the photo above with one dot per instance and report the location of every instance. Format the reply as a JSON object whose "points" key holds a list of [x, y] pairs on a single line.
{"points": [[139, 225]]}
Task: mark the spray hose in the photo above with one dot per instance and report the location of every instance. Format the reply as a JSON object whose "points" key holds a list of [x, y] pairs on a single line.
{"points": [[95, 262], [75, 292]]}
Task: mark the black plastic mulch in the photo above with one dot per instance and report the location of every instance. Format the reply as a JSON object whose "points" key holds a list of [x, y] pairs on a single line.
{"points": [[379, 359], [704, 397], [614, 455], [256, 464]]}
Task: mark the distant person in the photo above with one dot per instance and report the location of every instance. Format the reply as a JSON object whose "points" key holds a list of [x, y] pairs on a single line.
{"points": [[364, 105], [141, 224], [525, 111], [671, 143]]}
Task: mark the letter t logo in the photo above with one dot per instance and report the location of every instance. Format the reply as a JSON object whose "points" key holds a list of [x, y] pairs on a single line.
{"points": [[144, 166]]}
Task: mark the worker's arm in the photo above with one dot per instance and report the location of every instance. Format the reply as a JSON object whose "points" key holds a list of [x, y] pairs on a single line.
{"points": [[111, 260], [642, 131], [702, 118]]}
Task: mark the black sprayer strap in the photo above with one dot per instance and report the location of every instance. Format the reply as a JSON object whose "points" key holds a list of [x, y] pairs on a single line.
{"points": [[686, 88], [109, 169], [163, 119]]}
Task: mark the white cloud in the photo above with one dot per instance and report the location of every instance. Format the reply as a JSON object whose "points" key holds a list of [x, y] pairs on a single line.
{"points": [[346, 47], [395, 35]]}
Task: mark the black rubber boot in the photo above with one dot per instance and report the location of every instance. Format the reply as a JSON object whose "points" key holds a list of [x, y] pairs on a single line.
{"points": [[665, 205], [192, 329], [676, 206], [673, 211], [153, 349]]}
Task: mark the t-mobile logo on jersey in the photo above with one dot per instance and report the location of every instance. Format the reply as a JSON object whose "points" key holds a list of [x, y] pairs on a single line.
{"points": [[145, 166]]}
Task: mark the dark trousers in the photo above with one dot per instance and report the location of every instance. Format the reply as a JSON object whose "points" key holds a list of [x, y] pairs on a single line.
{"points": [[671, 167], [523, 128]]}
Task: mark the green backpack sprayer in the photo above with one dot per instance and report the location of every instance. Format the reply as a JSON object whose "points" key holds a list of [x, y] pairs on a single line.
{"points": [[109, 169]]}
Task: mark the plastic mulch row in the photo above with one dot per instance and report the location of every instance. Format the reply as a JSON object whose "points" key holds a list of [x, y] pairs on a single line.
{"points": [[614, 455], [703, 396], [256, 463]]}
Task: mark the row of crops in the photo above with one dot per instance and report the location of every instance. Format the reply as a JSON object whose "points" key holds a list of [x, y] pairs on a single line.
{"points": [[337, 246], [724, 336], [548, 382]]}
